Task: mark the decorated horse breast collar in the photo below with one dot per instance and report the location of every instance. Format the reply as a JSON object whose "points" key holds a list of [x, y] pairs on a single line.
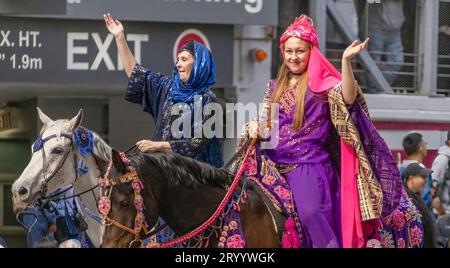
{"points": [[104, 205]]}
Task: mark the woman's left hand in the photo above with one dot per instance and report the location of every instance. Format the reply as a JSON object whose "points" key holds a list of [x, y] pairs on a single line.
{"points": [[354, 49]]}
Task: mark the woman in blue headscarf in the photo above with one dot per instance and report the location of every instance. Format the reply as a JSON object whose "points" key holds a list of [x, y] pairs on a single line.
{"points": [[189, 86]]}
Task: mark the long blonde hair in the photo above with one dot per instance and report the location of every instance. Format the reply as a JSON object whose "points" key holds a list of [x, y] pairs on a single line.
{"points": [[282, 84]]}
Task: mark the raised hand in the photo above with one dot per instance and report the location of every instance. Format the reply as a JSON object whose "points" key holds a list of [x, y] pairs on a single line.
{"points": [[354, 49], [114, 26], [116, 29]]}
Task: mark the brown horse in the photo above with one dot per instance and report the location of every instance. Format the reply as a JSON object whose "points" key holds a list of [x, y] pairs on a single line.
{"points": [[184, 193]]}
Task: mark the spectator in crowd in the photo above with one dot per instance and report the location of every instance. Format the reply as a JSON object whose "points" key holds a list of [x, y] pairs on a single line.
{"points": [[441, 175], [385, 21], [416, 149], [443, 231], [415, 177]]}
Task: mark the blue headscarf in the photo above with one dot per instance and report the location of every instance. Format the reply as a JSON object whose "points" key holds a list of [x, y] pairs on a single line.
{"points": [[203, 76]]}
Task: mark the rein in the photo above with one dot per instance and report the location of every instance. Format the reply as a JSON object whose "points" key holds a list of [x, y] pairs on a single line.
{"points": [[221, 207]]}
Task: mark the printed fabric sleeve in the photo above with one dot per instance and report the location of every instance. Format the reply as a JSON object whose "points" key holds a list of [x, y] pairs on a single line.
{"points": [[147, 89], [190, 147]]}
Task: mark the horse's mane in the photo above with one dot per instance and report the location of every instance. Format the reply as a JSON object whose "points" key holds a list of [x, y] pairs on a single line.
{"points": [[178, 170]]}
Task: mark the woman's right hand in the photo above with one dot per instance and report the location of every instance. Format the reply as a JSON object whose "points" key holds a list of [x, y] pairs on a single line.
{"points": [[115, 27], [253, 129], [250, 130]]}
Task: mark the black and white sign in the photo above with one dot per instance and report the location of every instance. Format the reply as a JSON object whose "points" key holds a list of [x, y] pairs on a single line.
{"points": [[83, 52], [32, 7], [255, 12]]}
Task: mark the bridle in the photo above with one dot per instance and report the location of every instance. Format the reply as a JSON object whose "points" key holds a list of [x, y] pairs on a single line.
{"points": [[39, 146], [104, 205]]}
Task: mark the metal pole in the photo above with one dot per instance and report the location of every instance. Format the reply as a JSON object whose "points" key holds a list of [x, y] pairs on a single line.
{"points": [[428, 46], [318, 12]]}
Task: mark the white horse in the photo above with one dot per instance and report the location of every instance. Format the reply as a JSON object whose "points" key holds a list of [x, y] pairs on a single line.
{"points": [[52, 166]]}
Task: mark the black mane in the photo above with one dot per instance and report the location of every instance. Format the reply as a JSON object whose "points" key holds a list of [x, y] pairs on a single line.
{"points": [[178, 170]]}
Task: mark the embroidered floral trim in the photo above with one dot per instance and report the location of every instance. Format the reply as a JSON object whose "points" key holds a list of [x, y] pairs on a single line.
{"points": [[235, 241], [269, 180], [287, 100], [416, 236], [403, 227]]}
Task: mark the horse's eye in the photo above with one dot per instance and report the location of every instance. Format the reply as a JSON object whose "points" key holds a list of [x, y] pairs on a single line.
{"points": [[123, 203], [57, 150]]}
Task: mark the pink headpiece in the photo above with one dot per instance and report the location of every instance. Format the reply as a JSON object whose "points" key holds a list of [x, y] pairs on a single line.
{"points": [[322, 76], [302, 28]]}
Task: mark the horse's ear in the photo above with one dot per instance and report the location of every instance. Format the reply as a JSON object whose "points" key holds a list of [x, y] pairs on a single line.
{"points": [[43, 117], [117, 162], [76, 121]]}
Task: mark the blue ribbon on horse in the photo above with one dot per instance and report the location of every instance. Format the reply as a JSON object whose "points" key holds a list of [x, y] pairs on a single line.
{"points": [[81, 168], [38, 144], [84, 140]]}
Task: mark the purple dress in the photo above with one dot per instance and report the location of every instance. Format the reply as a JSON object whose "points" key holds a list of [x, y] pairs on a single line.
{"points": [[315, 182], [312, 155]]}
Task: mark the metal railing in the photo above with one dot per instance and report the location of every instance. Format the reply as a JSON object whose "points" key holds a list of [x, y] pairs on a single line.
{"points": [[406, 79], [443, 74], [416, 68]]}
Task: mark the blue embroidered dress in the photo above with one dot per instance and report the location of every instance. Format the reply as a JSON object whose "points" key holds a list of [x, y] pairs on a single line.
{"points": [[153, 91], [158, 94]]}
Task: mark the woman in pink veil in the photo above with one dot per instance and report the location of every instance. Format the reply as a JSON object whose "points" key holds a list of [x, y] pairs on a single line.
{"points": [[338, 171]]}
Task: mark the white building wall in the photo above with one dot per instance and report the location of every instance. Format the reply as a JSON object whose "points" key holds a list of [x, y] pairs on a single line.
{"points": [[385, 107]]}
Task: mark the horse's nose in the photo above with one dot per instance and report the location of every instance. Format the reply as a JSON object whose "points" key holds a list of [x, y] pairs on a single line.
{"points": [[17, 202], [23, 191]]}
